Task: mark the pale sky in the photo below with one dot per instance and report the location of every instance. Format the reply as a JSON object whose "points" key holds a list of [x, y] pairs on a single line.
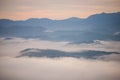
{"points": [[55, 9]]}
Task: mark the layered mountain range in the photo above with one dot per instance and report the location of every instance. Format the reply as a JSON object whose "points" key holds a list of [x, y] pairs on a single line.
{"points": [[104, 26]]}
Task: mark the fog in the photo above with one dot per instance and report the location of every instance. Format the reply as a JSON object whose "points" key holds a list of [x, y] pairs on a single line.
{"points": [[12, 46], [58, 69], [104, 67]]}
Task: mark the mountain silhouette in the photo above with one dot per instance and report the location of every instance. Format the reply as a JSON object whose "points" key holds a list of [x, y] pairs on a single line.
{"points": [[103, 26], [33, 52]]}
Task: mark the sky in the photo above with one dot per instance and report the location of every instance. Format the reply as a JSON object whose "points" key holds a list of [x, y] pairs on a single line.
{"points": [[55, 9]]}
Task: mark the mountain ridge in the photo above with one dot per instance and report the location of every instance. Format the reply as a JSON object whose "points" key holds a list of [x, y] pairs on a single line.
{"points": [[51, 53], [62, 19], [101, 26]]}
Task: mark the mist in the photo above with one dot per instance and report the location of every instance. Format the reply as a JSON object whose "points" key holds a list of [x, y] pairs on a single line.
{"points": [[58, 69], [104, 67], [13, 46]]}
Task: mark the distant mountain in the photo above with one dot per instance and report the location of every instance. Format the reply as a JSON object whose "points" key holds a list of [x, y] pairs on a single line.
{"points": [[106, 20], [6, 22], [33, 52], [102, 26], [67, 24], [22, 31], [109, 22]]}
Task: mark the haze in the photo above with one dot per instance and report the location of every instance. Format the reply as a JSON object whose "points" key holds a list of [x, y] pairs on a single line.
{"points": [[55, 9]]}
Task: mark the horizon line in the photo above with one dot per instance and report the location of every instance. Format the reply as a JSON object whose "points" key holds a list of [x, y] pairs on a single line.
{"points": [[58, 19]]}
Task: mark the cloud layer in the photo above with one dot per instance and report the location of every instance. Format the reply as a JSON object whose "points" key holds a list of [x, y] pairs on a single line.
{"points": [[104, 67], [58, 69], [13, 46]]}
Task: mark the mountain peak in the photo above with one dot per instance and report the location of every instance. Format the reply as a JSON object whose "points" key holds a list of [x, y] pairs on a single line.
{"points": [[37, 19]]}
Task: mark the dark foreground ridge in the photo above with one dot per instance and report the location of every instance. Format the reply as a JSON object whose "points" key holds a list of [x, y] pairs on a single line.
{"points": [[33, 52]]}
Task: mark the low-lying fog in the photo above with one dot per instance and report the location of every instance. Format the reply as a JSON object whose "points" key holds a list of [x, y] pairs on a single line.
{"points": [[106, 67]]}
